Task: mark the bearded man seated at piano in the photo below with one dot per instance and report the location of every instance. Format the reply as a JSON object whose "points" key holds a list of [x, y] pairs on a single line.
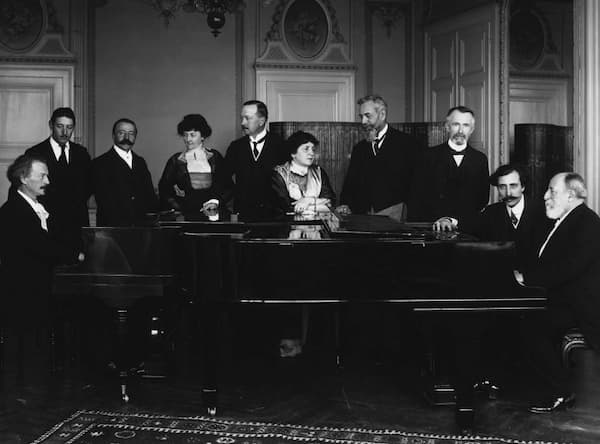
{"points": [[568, 266], [300, 186]]}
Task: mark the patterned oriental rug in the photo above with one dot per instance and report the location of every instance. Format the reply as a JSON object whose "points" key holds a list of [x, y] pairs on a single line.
{"points": [[86, 427]]}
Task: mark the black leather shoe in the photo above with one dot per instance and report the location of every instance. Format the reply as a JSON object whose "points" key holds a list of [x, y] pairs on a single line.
{"points": [[488, 387], [554, 405]]}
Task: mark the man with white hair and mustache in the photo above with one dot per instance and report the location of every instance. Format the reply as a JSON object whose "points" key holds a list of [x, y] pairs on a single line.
{"points": [[451, 184], [568, 266]]}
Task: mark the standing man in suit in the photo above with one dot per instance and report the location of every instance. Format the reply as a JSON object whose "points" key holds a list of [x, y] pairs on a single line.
{"points": [[381, 166], [69, 166], [515, 217], [251, 159], [451, 184], [122, 182], [568, 266]]}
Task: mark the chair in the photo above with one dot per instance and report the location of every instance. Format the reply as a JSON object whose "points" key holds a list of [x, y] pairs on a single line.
{"points": [[573, 339]]}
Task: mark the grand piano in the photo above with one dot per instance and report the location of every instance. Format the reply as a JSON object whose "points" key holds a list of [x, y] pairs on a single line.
{"points": [[340, 259], [351, 260]]}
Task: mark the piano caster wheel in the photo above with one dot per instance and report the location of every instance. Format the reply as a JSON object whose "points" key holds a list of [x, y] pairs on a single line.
{"points": [[212, 411], [124, 395]]}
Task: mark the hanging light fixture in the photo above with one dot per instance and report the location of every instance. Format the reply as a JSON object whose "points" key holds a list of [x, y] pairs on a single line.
{"points": [[214, 10]]}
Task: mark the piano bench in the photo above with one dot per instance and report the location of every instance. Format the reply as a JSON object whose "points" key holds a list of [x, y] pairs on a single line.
{"points": [[572, 340]]}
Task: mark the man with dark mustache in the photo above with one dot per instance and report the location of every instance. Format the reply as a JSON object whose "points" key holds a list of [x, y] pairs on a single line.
{"points": [[69, 167], [515, 217], [250, 161], [451, 183], [381, 166], [122, 182]]}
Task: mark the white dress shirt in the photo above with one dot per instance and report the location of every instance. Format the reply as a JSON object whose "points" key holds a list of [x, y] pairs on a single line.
{"points": [[517, 210], [38, 208], [556, 224], [458, 158], [58, 150], [260, 145], [125, 155]]}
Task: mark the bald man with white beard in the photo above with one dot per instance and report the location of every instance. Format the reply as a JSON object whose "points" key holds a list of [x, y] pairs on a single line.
{"points": [[568, 266]]}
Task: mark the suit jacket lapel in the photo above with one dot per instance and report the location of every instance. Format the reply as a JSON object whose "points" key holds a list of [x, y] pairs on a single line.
{"points": [[26, 209], [561, 235]]}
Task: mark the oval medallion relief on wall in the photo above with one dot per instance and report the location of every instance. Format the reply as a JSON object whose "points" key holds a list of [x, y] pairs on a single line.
{"points": [[306, 28]]}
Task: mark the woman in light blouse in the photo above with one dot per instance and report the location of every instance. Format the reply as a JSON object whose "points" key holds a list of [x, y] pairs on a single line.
{"points": [[299, 185], [193, 180]]}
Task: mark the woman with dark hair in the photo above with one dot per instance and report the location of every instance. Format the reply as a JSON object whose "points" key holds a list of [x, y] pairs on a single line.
{"points": [[193, 180], [299, 185]]}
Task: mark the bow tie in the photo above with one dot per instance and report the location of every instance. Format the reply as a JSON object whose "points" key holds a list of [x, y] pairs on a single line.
{"points": [[457, 153]]}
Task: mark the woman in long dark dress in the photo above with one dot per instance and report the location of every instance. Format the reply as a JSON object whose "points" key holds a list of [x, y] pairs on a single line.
{"points": [[193, 180]]}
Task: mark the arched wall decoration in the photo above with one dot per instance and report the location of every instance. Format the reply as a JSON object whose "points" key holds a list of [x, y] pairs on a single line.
{"points": [[22, 24], [305, 34], [531, 41], [305, 28]]}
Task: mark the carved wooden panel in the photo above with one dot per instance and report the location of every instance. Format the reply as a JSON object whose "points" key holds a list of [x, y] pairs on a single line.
{"points": [[462, 68]]}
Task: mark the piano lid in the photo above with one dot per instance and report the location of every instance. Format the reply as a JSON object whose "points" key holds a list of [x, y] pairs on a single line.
{"points": [[366, 225]]}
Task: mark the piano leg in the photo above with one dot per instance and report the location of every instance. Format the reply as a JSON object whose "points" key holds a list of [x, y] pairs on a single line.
{"points": [[210, 342], [122, 348]]}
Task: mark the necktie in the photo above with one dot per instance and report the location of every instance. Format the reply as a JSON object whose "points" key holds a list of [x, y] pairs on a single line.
{"points": [[376, 144], [255, 147], [62, 159], [513, 219]]}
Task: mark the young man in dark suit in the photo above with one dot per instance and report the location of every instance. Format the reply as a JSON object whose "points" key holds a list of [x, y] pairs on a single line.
{"points": [[69, 166], [451, 183], [122, 182], [381, 166], [568, 266], [250, 161], [515, 217]]}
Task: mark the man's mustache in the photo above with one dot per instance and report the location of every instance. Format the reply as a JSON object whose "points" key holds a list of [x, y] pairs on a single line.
{"points": [[125, 142]]}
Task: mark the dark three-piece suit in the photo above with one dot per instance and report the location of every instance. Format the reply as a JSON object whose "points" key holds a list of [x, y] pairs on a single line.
{"points": [[69, 190], [441, 188], [374, 182], [123, 195], [252, 190], [28, 254], [495, 225]]}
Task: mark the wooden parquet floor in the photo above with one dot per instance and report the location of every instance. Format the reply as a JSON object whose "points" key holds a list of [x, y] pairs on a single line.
{"points": [[371, 392]]}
